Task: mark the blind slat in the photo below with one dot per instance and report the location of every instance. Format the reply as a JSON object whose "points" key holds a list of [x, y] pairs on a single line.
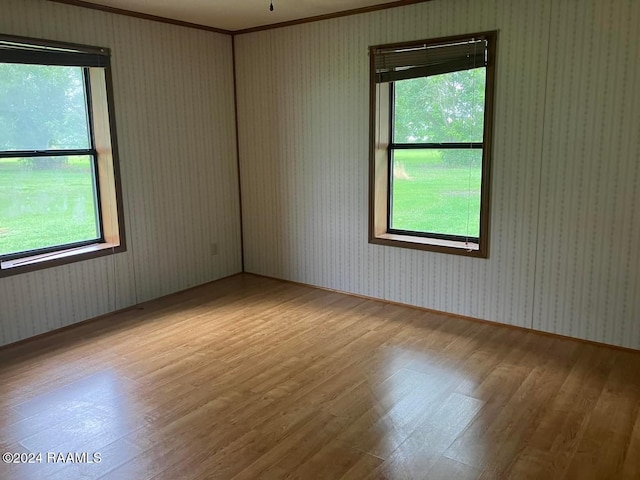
{"points": [[427, 71], [402, 64], [63, 59], [12, 51]]}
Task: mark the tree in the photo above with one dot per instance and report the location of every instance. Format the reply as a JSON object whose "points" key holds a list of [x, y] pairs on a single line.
{"points": [[442, 108], [42, 108]]}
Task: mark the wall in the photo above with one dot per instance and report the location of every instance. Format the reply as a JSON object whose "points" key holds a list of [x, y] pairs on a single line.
{"points": [[565, 181], [565, 187], [175, 118]]}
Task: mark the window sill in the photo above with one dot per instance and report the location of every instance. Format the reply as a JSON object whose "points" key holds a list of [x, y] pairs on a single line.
{"points": [[470, 249], [47, 260]]}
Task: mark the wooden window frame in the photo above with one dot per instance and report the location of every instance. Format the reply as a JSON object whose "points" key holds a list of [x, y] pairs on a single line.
{"points": [[380, 146], [104, 153]]}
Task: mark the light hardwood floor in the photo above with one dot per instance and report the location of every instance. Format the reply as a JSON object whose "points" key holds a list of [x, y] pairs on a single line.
{"points": [[249, 378]]}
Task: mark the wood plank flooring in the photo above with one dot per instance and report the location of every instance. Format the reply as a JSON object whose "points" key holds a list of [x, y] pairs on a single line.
{"points": [[252, 378]]}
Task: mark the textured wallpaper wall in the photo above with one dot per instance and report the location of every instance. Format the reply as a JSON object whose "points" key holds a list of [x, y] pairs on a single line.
{"points": [[565, 181], [175, 117], [588, 260]]}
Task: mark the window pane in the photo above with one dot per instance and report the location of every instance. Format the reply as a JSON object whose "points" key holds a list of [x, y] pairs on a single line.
{"points": [[45, 202], [437, 191], [440, 108], [42, 108]]}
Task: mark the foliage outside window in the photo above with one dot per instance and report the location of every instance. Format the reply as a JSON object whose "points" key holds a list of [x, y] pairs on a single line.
{"points": [[59, 183], [431, 105]]}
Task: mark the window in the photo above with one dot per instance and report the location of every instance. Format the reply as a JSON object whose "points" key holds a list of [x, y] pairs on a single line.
{"points": [[430, 130], [60, 197]]}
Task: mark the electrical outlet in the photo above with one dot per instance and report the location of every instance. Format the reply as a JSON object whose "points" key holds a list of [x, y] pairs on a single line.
{"points": [[214, 249]]}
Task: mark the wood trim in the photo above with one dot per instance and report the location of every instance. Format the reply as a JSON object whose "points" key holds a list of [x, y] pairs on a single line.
{"points": [[435, 41], [235, 112], [329, 16], [171, 21], [115, 158], [56, 44], [137, 306], [56, 259], [66, 328], [379, 158], [105, 171], [372, 146], [428, 244], [379, 173], [455, 315], [111, 207], [487, 152], [143, 16]]}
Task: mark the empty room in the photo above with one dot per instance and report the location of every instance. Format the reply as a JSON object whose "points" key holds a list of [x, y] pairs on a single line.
{"points": [[326, 239]]}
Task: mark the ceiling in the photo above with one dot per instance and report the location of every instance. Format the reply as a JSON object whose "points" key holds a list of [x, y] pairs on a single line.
{"points": [[238, 14]]}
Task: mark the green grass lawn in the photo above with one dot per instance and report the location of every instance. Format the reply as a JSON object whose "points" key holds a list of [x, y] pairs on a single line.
{"points": [[41, 208], [429, 196]]}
